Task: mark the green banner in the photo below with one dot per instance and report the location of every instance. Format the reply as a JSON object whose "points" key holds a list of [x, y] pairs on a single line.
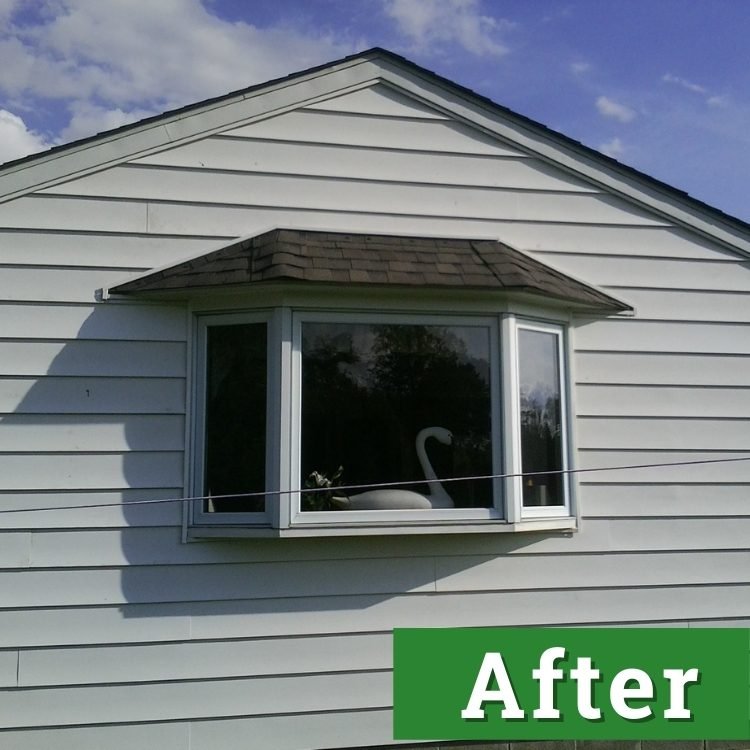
{"points": [[571, 683]]}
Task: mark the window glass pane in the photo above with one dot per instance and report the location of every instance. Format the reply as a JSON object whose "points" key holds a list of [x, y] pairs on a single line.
{"points": [[368, 394], [235, 439], [541, 425]]}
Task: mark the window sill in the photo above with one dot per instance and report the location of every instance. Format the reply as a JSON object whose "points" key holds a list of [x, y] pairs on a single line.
{"points": [[197, 533]]}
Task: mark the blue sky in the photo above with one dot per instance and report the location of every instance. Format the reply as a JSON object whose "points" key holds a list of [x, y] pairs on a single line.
{"points": [[661, 85]]}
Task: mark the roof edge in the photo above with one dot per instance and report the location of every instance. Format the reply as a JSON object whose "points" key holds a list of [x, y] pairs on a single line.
{"points": [[564, 152]]}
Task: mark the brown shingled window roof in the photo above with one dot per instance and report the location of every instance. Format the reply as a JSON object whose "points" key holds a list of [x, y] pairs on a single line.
{"points": [[291, 255]]}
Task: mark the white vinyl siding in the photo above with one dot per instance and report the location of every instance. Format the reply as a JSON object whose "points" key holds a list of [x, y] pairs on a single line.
{"points": [[126, 634]]}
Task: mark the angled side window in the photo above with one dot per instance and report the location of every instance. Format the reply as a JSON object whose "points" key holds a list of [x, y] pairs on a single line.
{"points": [[541, 440], [232, 417]]}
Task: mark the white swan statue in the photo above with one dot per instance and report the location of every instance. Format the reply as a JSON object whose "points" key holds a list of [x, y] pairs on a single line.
{"points": [[396, 499]]}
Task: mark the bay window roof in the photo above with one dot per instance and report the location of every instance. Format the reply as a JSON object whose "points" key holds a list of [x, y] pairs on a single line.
{"points": [[291, 255]]}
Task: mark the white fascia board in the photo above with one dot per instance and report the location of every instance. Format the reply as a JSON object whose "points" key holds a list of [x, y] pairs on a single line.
{"points": [[575, 161], [165, 132]]}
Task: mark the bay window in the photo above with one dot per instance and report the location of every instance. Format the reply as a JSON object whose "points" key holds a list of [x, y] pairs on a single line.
{"points": [[348, 383], [311, 421]]}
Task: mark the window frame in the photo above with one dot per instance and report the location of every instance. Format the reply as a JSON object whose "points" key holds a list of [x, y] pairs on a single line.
{"points": [[516, 324], [282, 516], [370, 517], [203, 323]]}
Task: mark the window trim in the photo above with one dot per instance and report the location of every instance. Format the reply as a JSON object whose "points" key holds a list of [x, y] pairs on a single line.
{"points": [[375, 517], [198, 464], [524, 512]]}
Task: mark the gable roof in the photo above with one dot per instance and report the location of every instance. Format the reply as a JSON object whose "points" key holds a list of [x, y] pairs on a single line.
{"points": [[274, 97], [347, 258]]}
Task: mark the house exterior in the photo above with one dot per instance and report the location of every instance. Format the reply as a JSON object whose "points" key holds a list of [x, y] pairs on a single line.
{"points": [[217, 302]]}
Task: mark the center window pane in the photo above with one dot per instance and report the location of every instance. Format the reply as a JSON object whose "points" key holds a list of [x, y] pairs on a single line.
{"points": [[395, 403]]}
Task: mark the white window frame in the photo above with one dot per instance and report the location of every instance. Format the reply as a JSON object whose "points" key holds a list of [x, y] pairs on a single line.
{"points": [[200, 378], [514, 486], [283, 517], [365, 517]]}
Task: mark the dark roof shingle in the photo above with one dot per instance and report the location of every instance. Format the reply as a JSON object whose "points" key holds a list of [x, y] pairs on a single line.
{"points": [[347, 258]]}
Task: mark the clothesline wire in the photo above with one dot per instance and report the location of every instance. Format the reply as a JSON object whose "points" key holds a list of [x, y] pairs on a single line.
{"points": [[378, 485]]}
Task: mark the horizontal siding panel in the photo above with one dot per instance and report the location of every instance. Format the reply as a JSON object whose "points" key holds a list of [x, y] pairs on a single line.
{"points": [[727, 623], [661, 434], [77, 510], [656, 242], [87, 471], [163, 583], [579, 571], [130, 322], [344, 730], [328, 729], [166, 218], [678, 500], [378, 100], [663, 304], [96, 250], [281, 157], [55, 285], [643, 336], [734, 471], [301, 616], [485, 609], [348, 195], [314, 578], [352, 130], [654, 273], [660, 368], [43, 433], [8, 670], [165, 736], [15, 549], [49, 212], [83, 626], [661, 401], [161, 546], [141, 359], [76, 395], [200, 660], [193, 700]]}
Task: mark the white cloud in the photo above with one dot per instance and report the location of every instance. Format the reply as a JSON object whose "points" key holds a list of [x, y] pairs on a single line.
{"points": [[711, 99], [578, 68], [87, 119], [684, 83], [562, 13], [16, 140], [115, 60], [717, 101], [614, 148], [610, 108], [430, 23], [7, 8]]}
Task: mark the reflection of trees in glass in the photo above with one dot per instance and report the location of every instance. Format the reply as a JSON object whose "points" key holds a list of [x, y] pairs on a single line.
{"points": [[541, 444], [540, 424], [368, 390], [236, 416]]}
